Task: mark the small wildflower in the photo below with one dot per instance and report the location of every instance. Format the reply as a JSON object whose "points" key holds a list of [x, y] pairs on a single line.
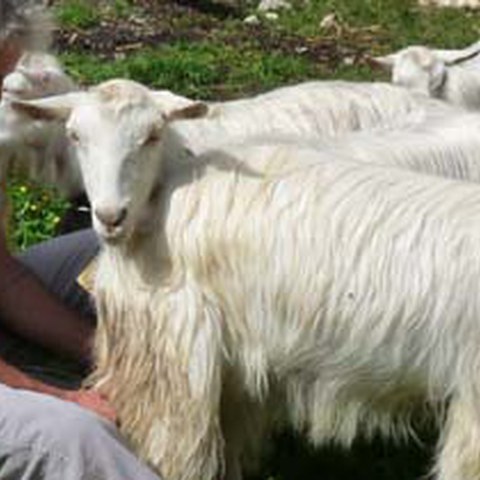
{"points": [[23, 189], [33, 208], [56, 220]]}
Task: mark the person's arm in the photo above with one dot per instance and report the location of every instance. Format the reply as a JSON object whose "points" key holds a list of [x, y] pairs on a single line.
{"points": [[13, 377], [30, 311], [26, 308]]}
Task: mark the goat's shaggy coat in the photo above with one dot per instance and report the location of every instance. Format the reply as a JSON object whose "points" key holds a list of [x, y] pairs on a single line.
{"points": [[342, 294], [274, 282], [446, 145], [328, 108]]}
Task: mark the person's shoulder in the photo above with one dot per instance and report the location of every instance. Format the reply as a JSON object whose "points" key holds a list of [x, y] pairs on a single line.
{"points": [[27, 21]]}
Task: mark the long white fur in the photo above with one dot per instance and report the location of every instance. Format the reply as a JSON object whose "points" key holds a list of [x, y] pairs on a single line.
{"points": [[320, 108], [446, 145], [276, 280]]}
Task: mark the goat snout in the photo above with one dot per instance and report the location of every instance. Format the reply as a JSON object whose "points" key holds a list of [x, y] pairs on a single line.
{"points": [[111, 217]]}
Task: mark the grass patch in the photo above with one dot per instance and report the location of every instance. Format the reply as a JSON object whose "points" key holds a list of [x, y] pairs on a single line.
{"points": [[203, 69], [77, 14], [402, 21], [35, 215]]}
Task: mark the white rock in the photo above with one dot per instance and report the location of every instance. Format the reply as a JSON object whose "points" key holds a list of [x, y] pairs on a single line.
{"points": [[252, 20], [271, 5], [271, 16]]}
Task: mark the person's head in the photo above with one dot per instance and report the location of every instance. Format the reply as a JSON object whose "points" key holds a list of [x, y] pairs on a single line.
{"points": [[24, 25]]}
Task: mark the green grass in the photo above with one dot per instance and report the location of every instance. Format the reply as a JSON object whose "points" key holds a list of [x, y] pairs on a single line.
{"points": [[78, 14], [202, 69], [36, 213]]}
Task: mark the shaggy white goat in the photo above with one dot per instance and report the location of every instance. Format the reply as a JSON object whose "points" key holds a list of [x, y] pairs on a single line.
{"points": [[429, 72], [339, 294]]}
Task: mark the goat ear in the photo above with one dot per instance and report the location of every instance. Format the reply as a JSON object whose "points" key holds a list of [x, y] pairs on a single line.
{"points": [[171, 101], [438, 71], [386, 62], [50, 108], [190, 112]]}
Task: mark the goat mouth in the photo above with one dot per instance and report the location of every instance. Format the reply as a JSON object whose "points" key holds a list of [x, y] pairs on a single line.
{"points": [[113, 236]]}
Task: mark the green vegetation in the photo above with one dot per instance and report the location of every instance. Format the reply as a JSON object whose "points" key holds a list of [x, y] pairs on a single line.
{"points": [[78, 14], [202, 69], [37, 212]]}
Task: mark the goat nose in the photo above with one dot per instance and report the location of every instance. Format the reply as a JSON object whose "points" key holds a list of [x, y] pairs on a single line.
{"points": [[111, 217]]}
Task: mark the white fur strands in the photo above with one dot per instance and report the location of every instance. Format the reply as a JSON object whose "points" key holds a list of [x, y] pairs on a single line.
{"points": [[322, 109], [370, 314], [445, 145]]}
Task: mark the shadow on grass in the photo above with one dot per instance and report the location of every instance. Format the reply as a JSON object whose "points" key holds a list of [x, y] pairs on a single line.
{"points": [[294, 459], [214, 8]]}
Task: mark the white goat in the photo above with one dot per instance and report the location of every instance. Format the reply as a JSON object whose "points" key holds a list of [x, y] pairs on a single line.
{"points": [[37, 149], [341, 295], [429, 72]]}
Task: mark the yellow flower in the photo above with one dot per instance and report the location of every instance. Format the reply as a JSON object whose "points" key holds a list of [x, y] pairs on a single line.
{"points": [[23, 189], [33, 208]]}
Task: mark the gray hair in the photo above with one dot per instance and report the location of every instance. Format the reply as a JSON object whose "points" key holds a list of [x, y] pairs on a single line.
{"points": [[26, 21]]}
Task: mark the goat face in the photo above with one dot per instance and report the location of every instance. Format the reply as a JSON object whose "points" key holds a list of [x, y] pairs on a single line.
{"points": [[120, 163], [416, 68], [116, 134]]}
